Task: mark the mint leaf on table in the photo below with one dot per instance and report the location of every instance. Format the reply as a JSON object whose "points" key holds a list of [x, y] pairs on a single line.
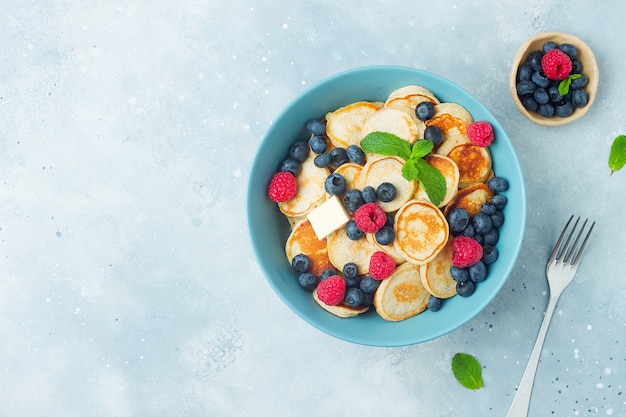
{"points": [[414, 168], [617, 157], [467, 371]]}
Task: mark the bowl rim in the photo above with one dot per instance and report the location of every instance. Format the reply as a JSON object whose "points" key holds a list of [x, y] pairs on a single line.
{"points": [[338, 330], [530, 45]]}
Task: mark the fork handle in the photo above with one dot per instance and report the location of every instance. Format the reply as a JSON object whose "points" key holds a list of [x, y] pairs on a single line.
{"points": [[521, 402]]}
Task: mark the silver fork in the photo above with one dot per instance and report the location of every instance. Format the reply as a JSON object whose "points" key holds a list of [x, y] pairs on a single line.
{"points": [[560, 270]]}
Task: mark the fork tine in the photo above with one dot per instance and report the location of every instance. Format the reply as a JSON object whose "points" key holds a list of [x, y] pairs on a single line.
{"points": [[582, 247], [569, 250], [557, 246]]}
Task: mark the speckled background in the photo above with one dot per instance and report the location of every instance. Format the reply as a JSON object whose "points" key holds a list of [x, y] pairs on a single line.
{"points": [[127, 283]]}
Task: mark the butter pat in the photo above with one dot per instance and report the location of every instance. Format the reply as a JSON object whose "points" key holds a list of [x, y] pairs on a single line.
{"points": [[328, 217]]}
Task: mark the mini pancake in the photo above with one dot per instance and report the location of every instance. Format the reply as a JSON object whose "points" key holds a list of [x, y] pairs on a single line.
{"points": [[449, 143], [341, 310], [435, 275], [352, 173], [402, 295], [470, 199], [450, 172], [388, 169], [341, 250], [474, 163], [452, 118], [343, 126], [310, 190], [410, 96], [401, 121], [302, 239], [421, 231]]}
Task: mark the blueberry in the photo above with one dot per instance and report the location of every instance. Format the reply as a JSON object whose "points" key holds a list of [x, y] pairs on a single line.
{"points": [[478, 271], [368, 299], [291, 165], [548, 46], [540, 79], [498, 184], [322, 160], [425, 110], [353, 231], [499, 201], [369, 284], [352, 282], [335, 184], [465, 288], [490, 254], [386, 192], [301, 263], [338, 156], [327, 273], [564, 109], [469, 230], [553, 92], [534, 59], [434, 303], [529, 102], [459, 274], [541, 96], [546, 110], [579, 98], [385, 235], [478, 238], [353, 297], [488, 208], [525, 87], [497, 219], [307, 280], [577, 66], [482, 223], [299, 150], [317, 144], [353, 199], [369, 194], [569, 49], [579, 82], [355, 154], [458, 219], [524, 72], [390, 219], [491, 237], [434, 134], [350, 270], [316, 127]]}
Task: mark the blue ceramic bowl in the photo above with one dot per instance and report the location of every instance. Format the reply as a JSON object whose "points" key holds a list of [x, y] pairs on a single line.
{"points": [[269, 229]]}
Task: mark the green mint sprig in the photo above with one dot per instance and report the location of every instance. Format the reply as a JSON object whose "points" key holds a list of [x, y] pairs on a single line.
{"points": [[467, 371], [566, 82], [415, 167], [617, 157]]}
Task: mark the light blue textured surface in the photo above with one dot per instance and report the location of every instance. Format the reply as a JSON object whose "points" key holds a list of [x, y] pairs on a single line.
{"points": [[127, 283]]}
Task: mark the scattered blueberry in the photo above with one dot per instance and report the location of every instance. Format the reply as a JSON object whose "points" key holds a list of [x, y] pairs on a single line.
{"points": [[491, 237], [390, 219], [307, 280], [338, 156], [301, 263], [385, 235], [369, 194], [540, 79], [580, 82], [434, 134], [564, 109], [525, 87], [524, 72], [488, 208], [317, 144], [353, 297], [425, 110], [529, 102], [369, 284], [368, 299], [386, 192], [569, 49], [459, 274], [549, 45], [497, 219], [353, 199], [577, 66], [478, 271], [434, 303], [541, 96], [458, 219], [478, 238], [482, 223], [322, 160], [499, 201], [355, 154], [490, 254], [353, 231], [316, 127], [335, 184], [579, 98], [534, 60], [546, 110], [465, 288], [291, 165], [327, 273], [350, 270], [352, 282], [299, 150], [469, 230], [498, 184]]}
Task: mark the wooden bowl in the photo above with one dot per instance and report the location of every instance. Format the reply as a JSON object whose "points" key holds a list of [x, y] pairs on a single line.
{"points": [[590, 69]]}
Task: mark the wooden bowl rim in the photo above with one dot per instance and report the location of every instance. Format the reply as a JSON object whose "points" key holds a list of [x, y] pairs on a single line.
{"points": [[590, 66]]}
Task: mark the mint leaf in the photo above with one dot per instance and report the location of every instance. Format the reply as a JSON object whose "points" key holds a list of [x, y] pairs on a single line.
{"points": [[467, 371], [386, 144], [617, 157], [565, 83], [421, 148], [432, 180], [410, 170]]}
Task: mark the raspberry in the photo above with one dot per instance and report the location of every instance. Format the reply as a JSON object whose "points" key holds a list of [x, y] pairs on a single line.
{"points": [[370, 217], [381, 265], [556, 64], [480, 133], [331, 290], [465, 251], [283, 187]]}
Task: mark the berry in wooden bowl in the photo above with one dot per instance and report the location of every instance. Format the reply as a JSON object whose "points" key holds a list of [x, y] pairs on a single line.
{"points": [[554, 78]]}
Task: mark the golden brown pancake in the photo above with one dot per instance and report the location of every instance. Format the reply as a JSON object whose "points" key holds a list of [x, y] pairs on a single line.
{"points": [[474, 163], [470, 199], [388, 169], [343, 126], [402, 295], [341, 250], [435, 275], [311, 191], [341, 310], [302, 239]]}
